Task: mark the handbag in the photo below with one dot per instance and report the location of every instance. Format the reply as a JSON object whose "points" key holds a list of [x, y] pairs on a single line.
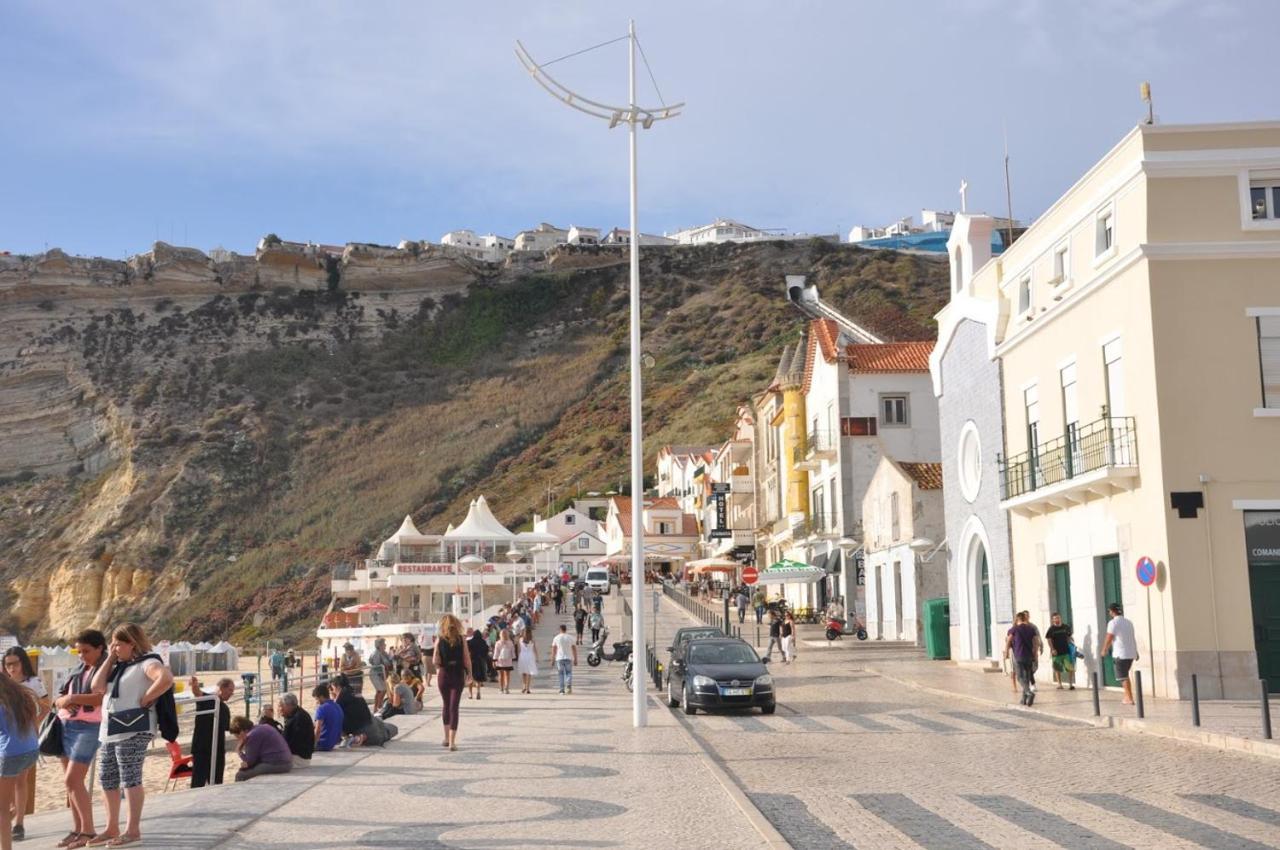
{"points": [[129, 721], [50, 735]]}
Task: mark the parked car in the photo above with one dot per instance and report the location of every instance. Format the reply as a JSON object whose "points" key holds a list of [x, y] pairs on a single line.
{"points": [[598, 579], [721, 672]]}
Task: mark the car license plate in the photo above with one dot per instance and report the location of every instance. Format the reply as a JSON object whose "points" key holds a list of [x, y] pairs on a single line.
{"points": [[735, 692]]}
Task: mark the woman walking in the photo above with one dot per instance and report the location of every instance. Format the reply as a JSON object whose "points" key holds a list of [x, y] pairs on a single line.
{"points": [[788, 632], [527, 660], [478, 649], [18, 666], [131, 679], [18, 751], [504, 658], [453, 666], [80, 711]]}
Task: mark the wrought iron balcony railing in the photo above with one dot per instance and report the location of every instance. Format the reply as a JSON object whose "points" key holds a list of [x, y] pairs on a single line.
{"points": [[1111, 441]]}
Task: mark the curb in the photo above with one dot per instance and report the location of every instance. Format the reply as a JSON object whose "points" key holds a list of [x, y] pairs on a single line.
{"points": [[1214, 740]]}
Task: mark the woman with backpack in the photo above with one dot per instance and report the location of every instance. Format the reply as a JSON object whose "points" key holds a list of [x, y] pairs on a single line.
{"points": [[80, 711], [453, 666], [18, 748], [132, 680]]}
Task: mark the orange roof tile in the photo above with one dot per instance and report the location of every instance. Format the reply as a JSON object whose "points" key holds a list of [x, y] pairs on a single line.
{"points": [[826, 333], [871, 358], [928, 476]]}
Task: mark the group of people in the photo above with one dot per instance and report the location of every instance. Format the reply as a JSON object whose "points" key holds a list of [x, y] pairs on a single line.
{"points": [[1024, 645], [782, 634]]}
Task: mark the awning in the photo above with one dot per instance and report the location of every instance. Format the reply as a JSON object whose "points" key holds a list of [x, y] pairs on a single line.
{"points": [[791, 572], [718, 567]]}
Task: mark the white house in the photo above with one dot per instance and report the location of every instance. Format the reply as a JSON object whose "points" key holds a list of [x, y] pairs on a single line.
{"points": [[489, 248], [680, 473], [622, 236], [720, 230], [581, 539], [583, 235], [544, 237], [903, 503], [670, 534]]}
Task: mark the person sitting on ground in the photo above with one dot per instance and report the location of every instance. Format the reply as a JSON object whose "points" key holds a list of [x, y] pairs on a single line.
{"points": [[262, 749], [328, 731], [400, 700], [299, 730], [414, 684], [358, 723], [268, 717]]}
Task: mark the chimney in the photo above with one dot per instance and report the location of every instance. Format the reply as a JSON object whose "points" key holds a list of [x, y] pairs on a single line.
{"points": [[969, 249]]}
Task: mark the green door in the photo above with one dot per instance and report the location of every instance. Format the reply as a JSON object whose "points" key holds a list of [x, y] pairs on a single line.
{"points": [[986, 607], [1062, 592], [1264, 588], [1110, 594]]}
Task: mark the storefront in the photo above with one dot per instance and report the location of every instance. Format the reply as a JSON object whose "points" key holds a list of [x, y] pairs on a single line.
{"points": [[1262, 540]]}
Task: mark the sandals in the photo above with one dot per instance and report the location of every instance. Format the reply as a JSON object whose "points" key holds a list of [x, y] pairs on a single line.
{"points": [[100, 840], [81, 839], [124, 840]]}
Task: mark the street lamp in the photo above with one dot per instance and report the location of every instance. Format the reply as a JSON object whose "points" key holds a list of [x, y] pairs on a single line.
{"points": [[631, 115], [513, 555], [470, 564]]}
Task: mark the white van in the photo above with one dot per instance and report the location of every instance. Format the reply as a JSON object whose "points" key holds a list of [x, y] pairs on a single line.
{"points": [[598, 579]]}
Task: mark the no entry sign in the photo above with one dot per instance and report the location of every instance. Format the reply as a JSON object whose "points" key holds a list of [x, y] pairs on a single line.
{"points": [[1146, 571], [749, 575]]}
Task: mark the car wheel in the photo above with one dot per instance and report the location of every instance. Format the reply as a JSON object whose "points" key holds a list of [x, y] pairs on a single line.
{"points": [[768, 709], [672, 699], [689, 707]]}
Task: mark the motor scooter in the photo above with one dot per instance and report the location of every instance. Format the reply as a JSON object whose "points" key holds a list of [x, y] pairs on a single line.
{"points": [[621, 650], [838, 628]]}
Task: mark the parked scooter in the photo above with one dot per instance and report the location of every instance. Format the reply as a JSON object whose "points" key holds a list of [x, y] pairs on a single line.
{"points": [[621, 650], [838, 628]]}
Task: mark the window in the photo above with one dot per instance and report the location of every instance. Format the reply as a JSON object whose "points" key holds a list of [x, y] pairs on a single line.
{"points": [[1104, 232], [569, 519], [893, 410], [1061, 265], [1264, 200], [858, 426], [1031, 402], [1070, 417], [1024, 295], [816, 501], [1114, 373], [584, 542], [664, 528], [970, 461], [1269, 359], [894, 524]]}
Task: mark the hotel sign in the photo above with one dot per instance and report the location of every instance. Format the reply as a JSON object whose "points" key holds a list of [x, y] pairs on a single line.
{"points": [[1262, 535], [436, 569]]}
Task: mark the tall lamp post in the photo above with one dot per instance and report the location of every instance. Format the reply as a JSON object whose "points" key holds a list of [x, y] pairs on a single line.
{"points": [[631, 115], [469, 564], [514, 555]]}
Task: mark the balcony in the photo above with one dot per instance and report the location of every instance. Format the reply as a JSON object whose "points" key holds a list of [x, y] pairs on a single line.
{"points": [[817, 524], [819, 447], [1096, 459]]}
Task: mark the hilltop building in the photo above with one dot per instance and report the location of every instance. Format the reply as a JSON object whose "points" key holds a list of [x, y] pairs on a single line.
{"points": [[544, 237], [622, 236], [728, 230], [930, 235], [489, 248]]}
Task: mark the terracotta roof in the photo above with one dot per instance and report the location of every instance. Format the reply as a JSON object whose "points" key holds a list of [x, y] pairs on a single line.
{"points": [[928, 476], [688, 523], [870, 358], [826, 333]]}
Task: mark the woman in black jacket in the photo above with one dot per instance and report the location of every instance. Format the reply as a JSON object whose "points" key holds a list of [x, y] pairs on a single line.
{"points": [[479, 649]]}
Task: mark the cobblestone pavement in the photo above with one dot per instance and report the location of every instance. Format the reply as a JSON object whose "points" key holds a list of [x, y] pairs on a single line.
{"points": [[853, 759]]}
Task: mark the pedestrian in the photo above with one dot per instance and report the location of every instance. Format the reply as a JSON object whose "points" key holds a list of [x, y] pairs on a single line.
{"points": [[743, 601], [504, 658], [596, 622], [299, 729], [759, 599], [380, 666], [1023, 643], [579, 621], [262, 749], [133, 679], [351, 666], [1058, 636], [775, 636], [527, 661], [479, 650], [557, 597], [276, 661], [18, 666], [18, 751], [453, 666], [788, 638], [80, 711], [564, 655], [1123, 645], [207, 749]]}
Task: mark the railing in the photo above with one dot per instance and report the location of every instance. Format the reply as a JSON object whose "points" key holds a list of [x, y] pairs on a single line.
{"points": [[1106, 442], [817, 522], [713, 615], [820, 441]]}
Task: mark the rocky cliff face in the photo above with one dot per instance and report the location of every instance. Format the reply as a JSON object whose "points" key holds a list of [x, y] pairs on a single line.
{"points": [[192, 442]]}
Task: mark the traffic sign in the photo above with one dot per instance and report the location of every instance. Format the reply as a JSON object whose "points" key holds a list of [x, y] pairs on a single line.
{"points": [[749, 575], [1146, 571]]}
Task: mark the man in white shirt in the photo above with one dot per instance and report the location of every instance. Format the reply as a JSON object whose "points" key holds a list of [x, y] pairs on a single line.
{"points": [[1124, 647], [564, 655]]}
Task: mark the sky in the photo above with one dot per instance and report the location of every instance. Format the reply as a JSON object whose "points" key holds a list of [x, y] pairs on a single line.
{"points": [[211, 124]]}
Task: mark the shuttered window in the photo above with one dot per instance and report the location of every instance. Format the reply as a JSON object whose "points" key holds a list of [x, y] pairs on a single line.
{"points": [[1269, 359]]}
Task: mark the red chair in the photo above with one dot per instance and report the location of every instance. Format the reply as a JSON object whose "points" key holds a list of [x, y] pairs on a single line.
{"points": [[179, 765]]}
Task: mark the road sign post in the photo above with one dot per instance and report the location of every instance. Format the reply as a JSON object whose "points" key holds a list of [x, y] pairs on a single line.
{"points": [[750, 575], [1147, 572]]}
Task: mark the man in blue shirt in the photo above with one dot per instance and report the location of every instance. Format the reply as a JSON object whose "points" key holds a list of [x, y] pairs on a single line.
{"points": [[328, 720]]}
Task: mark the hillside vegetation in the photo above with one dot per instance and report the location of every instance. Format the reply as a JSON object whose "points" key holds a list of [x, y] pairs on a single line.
{"points": [[244, 477]]}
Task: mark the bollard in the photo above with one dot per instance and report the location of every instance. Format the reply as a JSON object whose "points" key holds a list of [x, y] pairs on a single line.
{"points": [[1195, 700], [1137, 689], [1097, 705], [728, 630], [1266, 711]]}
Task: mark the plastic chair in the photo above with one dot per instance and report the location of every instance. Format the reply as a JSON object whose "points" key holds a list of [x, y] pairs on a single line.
{"points": [[180, 766]]}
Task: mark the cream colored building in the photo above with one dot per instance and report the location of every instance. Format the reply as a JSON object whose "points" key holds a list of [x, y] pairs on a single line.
{"points": [[1141, 393]]}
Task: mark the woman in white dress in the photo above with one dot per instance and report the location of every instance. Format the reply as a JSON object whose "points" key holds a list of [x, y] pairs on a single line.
{"points": [[527, 661]]}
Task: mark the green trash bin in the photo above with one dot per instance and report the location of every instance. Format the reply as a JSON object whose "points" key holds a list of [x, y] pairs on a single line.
{"points": [[937, 628]]}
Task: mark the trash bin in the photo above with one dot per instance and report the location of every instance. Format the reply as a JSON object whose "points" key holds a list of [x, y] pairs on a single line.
{"points": [[937, 628]]}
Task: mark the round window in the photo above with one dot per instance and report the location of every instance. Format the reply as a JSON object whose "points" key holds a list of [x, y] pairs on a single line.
{"points": [[970, 457]]}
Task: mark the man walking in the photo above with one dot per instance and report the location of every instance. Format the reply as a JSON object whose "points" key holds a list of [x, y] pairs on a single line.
{"points": [[743, 600], [564, 655], [1064, 663], [759, 598], [1024, 643], [775, 636], [557, 596], [1123, 645]]}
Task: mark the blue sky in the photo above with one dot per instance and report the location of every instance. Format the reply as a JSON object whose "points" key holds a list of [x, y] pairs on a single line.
{"points": [[368, 121]]}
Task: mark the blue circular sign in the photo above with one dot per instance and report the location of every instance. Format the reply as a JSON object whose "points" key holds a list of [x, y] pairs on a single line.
{"points": [[1146, 571]]}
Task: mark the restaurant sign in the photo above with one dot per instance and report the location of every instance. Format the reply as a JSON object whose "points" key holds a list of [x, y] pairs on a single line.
{"points": [[437, 569]]}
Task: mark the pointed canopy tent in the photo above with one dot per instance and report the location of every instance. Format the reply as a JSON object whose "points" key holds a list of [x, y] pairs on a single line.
{"points": [[406, 535], [480, 524], [791, 572], [231, 656]]}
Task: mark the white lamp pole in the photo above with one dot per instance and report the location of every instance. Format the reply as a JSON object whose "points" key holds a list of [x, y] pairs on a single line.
{"points": [[632, 115], [471, 563]]}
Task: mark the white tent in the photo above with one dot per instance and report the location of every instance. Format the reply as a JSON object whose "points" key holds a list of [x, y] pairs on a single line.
{"points": [[480, 524], [406, 535], [223, 656], [182, 658]]}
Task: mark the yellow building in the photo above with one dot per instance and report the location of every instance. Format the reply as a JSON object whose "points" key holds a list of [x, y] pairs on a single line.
{"points": [[1140, 359]]}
